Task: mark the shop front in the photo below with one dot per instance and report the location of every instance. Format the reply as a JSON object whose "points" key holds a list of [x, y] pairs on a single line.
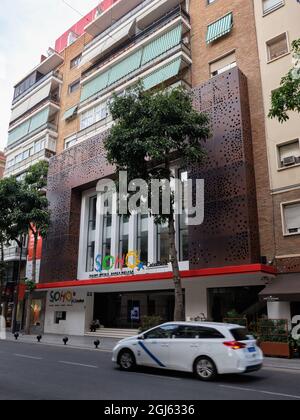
{"points": [[121, 302]]}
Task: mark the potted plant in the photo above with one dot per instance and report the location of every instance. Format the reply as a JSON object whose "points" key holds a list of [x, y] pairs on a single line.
{"points": [[274, 338], [148, 322], [233, 317]]}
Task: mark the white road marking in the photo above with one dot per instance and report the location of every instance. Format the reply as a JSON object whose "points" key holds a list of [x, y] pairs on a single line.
{"points": [[260, 391], [25, 356], [78, 364]]}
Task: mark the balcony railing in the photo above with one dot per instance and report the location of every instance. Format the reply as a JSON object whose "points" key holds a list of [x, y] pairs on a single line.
{"points": [[14, 253], [51, 98], [55, 74], [111, 55], [138, 73], [44, 154]]}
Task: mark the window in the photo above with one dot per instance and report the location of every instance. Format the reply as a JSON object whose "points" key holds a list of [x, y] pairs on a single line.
{"points": [[142, 237], [70, 142], [39, 145], [94, 115], [271, 5], [277, 47], [222, 65], [288, 154], [241, 334], [183, 226], [107, 229], [73, 87], [163, 255], [167, 331], [90, 255], [191, 332], [291, 218], [60, 316], [75, 62], [124, 235]]}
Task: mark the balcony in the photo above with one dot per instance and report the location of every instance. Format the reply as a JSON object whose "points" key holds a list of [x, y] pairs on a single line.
{"points": [[101, 54], [34, 124], [55, 75], [43, 155], [180, 53], [13, 253]]}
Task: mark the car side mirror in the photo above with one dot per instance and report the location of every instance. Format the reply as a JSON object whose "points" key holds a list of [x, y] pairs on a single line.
{"points": [[141, 337]]}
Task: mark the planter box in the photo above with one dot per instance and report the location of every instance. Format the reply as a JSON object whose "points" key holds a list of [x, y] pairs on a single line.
{"points": [[270, 348]]}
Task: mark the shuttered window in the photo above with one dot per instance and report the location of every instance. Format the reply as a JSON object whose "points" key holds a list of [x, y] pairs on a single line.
{"points": [[219, 28], [162, 44], [292, 218], [161, 75]]}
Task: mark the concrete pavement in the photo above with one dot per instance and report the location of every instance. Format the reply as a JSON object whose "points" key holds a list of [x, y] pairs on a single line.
{"points": [[107, 344], [32, 372]]}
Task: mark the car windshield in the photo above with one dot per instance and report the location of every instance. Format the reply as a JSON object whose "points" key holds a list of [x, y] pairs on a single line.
{"points": [[241, 334]]}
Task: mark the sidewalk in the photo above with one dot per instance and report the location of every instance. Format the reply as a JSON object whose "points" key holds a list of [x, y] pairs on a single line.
{"points": [[278, 363], [86, 343], [107, 344]]}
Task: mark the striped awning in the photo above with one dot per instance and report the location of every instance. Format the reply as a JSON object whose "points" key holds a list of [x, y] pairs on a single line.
{"points": [[219, 28], [159, 76], [70, 113]]}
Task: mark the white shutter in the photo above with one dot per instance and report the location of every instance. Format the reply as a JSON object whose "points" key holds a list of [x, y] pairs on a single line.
{"points": [[292, 216], [288, 150]]}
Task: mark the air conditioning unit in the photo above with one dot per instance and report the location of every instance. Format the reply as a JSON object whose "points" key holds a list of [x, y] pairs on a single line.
{"points": [[294, 230], [290, 160]]}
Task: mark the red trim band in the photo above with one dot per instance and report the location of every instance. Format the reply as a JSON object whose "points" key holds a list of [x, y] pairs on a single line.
{"points": [[240, 269]]}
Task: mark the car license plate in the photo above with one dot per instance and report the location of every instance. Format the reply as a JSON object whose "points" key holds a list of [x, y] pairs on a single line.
{"points": [[251, 349]]}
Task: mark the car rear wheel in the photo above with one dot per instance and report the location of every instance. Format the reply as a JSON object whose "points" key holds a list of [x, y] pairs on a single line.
{"points": [[126, 360], [205, 369]]}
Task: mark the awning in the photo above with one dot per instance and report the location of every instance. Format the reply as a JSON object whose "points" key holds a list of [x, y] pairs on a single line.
{"points": [[32, 124], [161, 75], [162, 44], [284, 288], [95, 51], [70, 113], [219, 28]]}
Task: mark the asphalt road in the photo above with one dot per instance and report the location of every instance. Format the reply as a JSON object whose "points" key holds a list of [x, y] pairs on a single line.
{"points": [[40, 372]]}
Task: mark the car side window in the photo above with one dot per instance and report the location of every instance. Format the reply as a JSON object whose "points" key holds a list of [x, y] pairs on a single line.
{"points": [[167, 331], [191, 332]]}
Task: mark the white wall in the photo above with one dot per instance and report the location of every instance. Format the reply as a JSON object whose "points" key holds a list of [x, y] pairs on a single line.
{"points": [[75, 322]]}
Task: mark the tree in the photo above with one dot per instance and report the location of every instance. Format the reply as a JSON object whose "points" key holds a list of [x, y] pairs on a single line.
{"points": [[287, 97], [150, 130], [35, 213], [9, 230]]}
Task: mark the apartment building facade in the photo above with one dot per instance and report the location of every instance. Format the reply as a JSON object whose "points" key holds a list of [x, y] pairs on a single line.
{"points": [[230, 261], [200, 45], [2, 164], [277, 24]]}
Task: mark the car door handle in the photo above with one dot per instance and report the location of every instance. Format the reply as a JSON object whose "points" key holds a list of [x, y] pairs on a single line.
{"points": [[194, 346], [165, 345]]}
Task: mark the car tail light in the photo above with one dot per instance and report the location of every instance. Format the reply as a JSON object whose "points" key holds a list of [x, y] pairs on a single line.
{"points": [[235, 345]]}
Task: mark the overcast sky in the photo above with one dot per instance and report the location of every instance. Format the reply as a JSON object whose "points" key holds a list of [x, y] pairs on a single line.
{"points": [[27, 29]]}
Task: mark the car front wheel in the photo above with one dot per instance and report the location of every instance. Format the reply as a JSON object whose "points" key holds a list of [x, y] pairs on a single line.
{"points": [[126, 360], [205, 369]]}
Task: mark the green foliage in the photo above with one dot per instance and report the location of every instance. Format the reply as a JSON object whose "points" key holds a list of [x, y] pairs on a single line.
{"points": [[30, 285], [149, 322], [274, 330], [287, 97], [152, 126]]}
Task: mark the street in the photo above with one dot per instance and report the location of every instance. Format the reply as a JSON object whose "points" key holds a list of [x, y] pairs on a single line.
{"points": [[42, 372]]}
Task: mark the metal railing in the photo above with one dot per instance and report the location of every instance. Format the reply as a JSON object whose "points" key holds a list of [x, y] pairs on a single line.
{"points": [[54, 73], [110, 56], [14, 252]]}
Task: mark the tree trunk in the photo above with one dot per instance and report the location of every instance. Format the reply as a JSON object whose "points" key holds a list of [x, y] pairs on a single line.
{"points": [[179, 311], [28, 314], [33, 278]]}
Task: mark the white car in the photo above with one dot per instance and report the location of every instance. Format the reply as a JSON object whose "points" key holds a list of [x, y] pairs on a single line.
{"points": [[207, 349]]}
